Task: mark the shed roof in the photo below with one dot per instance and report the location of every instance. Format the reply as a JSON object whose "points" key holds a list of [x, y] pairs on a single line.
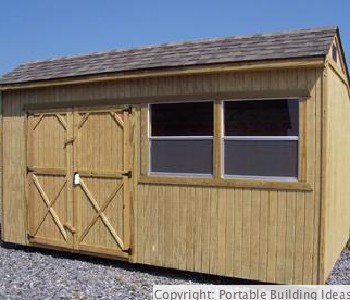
{"points": [[304, 43]]}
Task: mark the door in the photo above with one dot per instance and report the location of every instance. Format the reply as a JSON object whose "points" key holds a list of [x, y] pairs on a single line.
{"points": [[78, 180], [49, 190], [102, 175]]}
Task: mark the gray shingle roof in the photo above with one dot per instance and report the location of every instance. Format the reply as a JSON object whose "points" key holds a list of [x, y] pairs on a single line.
{"points": [[260, 47]]}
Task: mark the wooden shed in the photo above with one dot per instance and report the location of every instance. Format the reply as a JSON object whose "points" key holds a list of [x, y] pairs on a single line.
{"points": [[224, 156]]}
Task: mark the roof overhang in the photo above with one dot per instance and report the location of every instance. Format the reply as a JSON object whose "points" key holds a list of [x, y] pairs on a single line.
{"points": [[343, 54], [311, 62]]}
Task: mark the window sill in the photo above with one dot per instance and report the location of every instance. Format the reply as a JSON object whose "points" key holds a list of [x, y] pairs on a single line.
{"points": [[226, 182]]}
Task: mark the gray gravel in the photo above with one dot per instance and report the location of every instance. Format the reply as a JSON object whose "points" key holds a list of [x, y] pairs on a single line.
{"points": [[341, 270], [28, 273]]}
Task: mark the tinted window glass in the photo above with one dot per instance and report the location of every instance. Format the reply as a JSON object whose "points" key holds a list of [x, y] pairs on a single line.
{"points": [[182, 119], [262, 118], [261, 158], [182, 156]]}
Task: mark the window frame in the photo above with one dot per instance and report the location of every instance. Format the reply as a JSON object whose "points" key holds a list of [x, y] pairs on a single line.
{"points": [[224, 138], [142, 162], [176, 138]]}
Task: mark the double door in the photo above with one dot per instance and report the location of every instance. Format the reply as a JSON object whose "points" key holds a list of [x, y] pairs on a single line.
{"points": [[78, 177]]}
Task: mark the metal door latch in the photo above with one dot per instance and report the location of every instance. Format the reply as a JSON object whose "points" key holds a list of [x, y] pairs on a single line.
{"points": [[76, 179]]}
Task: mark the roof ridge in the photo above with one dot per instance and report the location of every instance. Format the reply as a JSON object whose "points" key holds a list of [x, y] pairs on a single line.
{"points": [[291, 44], [180, 43]]}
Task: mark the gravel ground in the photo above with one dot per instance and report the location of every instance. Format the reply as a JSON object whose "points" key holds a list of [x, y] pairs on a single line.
{"points": [[28, 273], [341, 270]]}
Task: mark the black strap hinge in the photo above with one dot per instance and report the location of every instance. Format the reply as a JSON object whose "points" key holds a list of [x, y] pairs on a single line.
{"points": [[129, 174], [29, 236], [129, 251], [128, 109]]}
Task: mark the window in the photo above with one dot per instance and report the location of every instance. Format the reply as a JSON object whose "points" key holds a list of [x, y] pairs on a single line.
{"points": [[334, 53], [261, 138], [181, 138]]}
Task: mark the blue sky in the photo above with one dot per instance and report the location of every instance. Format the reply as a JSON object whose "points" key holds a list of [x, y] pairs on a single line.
{"points": [[41, 29]]}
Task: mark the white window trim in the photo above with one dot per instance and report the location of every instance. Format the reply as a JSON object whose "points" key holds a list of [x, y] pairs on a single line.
{"points": [[272, 178], [181, 138], [261, 138], [254, 138], [168, 174]]}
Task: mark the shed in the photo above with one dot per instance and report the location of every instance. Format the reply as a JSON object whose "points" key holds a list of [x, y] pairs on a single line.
{"points": [[224, 156]]}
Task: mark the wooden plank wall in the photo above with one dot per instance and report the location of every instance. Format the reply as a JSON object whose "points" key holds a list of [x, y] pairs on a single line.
{"points": [[337, 172], [251, 233], [257, 234], [13, 192], [270, 235]]}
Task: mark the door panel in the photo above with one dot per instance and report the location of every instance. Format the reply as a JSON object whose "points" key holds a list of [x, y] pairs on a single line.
{"points": [[48, 190], [102, 194]]}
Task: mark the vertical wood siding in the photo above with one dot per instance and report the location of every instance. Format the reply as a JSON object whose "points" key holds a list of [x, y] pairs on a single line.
{"points": [[269, 235], [269, 239], [337, 172], [14, 173]]}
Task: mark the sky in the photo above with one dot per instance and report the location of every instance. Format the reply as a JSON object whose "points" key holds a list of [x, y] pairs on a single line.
{"points": [[41, 29]]}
